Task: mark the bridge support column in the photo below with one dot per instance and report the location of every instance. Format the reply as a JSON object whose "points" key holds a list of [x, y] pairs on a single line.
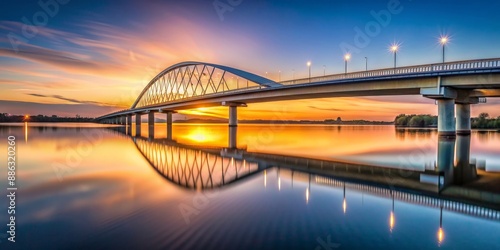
{"points": [[233, 122], [463, 119], [233, 126], [233, 132], [169, 125], [128, 124], [445, 98], [137, 124], [151, 124], [446, 117], [233, 116], [129, 120]]}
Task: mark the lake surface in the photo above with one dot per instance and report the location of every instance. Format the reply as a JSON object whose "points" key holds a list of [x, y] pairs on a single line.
{"points": [[89, 186]]}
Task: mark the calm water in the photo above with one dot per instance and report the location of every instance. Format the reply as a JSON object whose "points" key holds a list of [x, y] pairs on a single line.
{"points": [[90, 187]]}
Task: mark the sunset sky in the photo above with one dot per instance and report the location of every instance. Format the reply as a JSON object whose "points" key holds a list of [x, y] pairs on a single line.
{"points": [[93, 57]]}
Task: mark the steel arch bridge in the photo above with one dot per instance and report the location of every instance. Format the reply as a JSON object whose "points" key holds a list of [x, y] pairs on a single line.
{"points": [[191, 85], [194, 79]]}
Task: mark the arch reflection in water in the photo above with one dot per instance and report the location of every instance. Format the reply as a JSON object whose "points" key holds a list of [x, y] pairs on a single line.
{"points": [[194, 168]]}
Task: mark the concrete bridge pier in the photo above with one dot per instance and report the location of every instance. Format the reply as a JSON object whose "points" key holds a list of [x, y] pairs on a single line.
{"points": [[233, 132], [129, 120], [169, 125], [168, 114], [151, 124], [445, 98], [463, 109], [137, 124], [233, 126], [233, 122], [128, 124], [446, 117], [463, 118]]}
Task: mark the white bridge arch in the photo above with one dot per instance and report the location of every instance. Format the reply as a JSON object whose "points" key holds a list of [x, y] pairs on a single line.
{"points": [[193, 79]]}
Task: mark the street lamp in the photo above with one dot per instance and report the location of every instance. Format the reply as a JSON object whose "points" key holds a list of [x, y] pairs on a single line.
{"points": [[293, 74], [394, 48], [279, 75], [309, 66], [443, 40], [347, 57], [366, 63], [324, 70]]}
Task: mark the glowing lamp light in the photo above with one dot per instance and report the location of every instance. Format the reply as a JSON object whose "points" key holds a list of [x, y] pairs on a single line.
{"points": [[347, 57], [394, 48], [308, 63], [443, 40]]}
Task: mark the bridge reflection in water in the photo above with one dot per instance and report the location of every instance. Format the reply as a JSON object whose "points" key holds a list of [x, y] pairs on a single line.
{"points": [[439, 185], [192, 167]]}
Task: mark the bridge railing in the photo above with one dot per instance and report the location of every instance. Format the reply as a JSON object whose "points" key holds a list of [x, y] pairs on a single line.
{"points": [[427, 68]]}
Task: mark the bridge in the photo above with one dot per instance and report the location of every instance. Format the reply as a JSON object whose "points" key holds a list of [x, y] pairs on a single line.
{"points": [[190, 85]]}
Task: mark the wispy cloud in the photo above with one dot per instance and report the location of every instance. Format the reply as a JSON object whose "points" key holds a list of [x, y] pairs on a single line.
{"points": [[86, 110], [72, 100], [326, 109]]}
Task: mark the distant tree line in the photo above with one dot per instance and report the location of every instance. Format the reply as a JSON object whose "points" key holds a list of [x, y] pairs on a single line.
{"points": [[4, 117], [416, 120], [483, 121]]}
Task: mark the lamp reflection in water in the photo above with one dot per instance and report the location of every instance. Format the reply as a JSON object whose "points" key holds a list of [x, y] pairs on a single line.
{"points": [[391, 219], [308, 189], [26, 119], [344, 203], [440, 234], [26, 132], [279, 180]]}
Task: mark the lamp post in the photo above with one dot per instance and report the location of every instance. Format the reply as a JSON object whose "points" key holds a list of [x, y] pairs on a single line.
{"points": [[309, 66], [443, 40], [324, 70], [347, 57], [279, 75], [366, 63], [293, 74], [394, 49]]}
